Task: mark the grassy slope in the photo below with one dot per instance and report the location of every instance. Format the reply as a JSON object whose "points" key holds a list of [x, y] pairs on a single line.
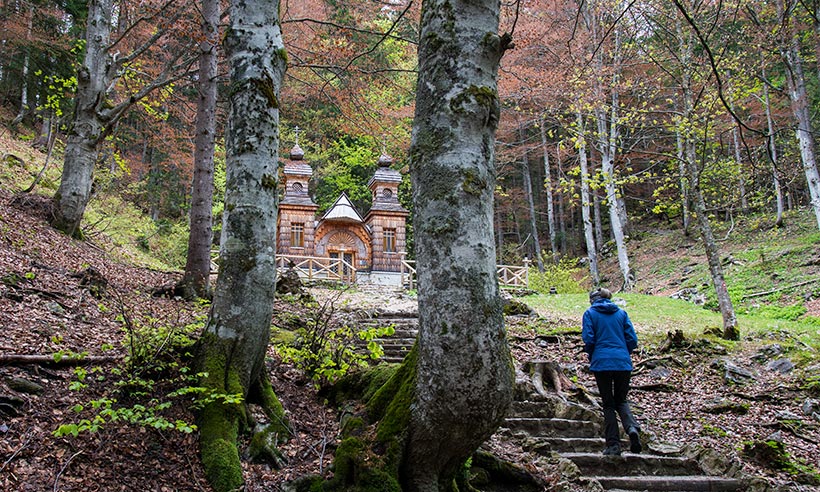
{"points": [[136, 238]]}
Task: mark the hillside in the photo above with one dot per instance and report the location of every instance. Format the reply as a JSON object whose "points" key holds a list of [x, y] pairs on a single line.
{"points": [[65, 297]]}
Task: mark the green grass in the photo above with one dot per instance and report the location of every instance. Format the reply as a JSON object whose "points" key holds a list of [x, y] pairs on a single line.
{"points": [[654, 316]]}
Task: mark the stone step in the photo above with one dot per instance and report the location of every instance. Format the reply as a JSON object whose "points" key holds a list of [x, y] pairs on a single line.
{"points": [[634, 464], [549, 427], [395, 342], [546, 409], [547, 445], [671, 484], [391, 359]]}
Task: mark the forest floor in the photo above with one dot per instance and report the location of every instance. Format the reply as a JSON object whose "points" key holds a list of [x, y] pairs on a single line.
{"points": [[60, 297]]}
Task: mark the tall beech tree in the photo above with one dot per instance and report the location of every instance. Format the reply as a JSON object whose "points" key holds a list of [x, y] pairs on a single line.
{"points": [[463, 382], [233, 345], [98, 106], [454, 388]]}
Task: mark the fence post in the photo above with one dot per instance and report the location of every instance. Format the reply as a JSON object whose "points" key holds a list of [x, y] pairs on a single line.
{"points": [[526, 272]]}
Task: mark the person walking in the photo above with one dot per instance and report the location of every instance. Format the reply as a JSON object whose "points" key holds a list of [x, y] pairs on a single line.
{"points": [[609, 339]]}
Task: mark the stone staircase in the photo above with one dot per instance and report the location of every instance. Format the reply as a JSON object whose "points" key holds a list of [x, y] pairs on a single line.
{"points": [[401, 342], [573, 432]]}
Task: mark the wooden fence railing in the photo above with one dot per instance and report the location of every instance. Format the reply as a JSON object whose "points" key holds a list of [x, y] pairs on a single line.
{"points": [[333, 269], [317, 268], [508, 275]]}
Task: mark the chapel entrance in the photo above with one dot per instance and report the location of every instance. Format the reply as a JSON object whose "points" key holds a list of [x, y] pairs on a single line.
{"points": [[348, 257]]}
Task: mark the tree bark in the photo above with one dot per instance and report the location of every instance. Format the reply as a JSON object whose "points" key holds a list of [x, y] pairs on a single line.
{"points": [[730, 326], [194, 282], [86, 130], [796, 82], [771, 147], [464, 377], [548, 191], [525, 173], [233, 345], [95, 114], [608, 128], [586, 203]]}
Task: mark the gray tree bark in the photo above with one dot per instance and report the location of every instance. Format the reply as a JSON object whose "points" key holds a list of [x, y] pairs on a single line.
{"points": [[772, 153], [464, 376], [195, 281], [233, 345], [586, 202], [796, 82], [94, 114], [525, 173], [87, 128], [727, 311], [548, 191]]}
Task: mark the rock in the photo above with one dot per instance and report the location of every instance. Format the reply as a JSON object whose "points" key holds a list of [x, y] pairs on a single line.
{"points": [[22, 385], [55, 308], [514, 307], [767, 352], [733, 373], [723, 405], [783, 366], [660, 372], [290, 283], [786, 415], [665, 448], [810, 406]]}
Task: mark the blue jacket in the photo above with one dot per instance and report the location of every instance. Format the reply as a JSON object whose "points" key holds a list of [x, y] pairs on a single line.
{"points": [[609, 337]]}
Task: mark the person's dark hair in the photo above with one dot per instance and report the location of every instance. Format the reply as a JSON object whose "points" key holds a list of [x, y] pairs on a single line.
{"points": [[599, 293]]}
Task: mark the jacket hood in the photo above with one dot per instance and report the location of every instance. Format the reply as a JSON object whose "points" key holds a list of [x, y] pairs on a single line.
{"points": [[605, 306]]}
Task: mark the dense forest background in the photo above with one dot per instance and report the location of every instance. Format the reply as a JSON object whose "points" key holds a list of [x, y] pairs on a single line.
{"points": [[605, 105]]}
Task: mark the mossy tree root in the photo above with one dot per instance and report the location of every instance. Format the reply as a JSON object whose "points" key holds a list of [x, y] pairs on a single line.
{"points": [[221, 422]]}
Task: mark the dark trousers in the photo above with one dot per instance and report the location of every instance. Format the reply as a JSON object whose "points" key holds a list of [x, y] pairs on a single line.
{"points": [[614, 386]]}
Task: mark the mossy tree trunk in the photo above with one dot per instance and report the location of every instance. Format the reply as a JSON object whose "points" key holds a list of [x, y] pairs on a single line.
{"points": [[232, 349], [463, 379]]}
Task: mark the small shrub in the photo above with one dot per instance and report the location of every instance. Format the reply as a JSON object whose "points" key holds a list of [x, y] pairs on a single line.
{"points": [[326, 350], [145, 386], [565, 277]]}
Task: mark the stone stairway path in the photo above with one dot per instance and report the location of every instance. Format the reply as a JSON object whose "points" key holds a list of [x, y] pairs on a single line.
{"points": [[577, 437], [574, 432]]}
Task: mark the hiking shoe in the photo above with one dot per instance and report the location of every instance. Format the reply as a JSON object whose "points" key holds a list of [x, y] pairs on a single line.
{"points": [[613, 450], [635, 440]]}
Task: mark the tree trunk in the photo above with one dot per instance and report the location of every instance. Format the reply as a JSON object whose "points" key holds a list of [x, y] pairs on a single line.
{"points": [[586, 202], [233, 345], [683, 184], [727, 311], [771, 148], [548, 192], [608, 128], [597, 221], [525, 173], [741, 180], [562, 224], [87, 128], [194, 282], [795, 80], [24, 109], [464, 378]]}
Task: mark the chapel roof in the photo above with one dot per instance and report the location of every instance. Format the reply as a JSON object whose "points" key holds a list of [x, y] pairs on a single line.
{"points": [[343, 211]]}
